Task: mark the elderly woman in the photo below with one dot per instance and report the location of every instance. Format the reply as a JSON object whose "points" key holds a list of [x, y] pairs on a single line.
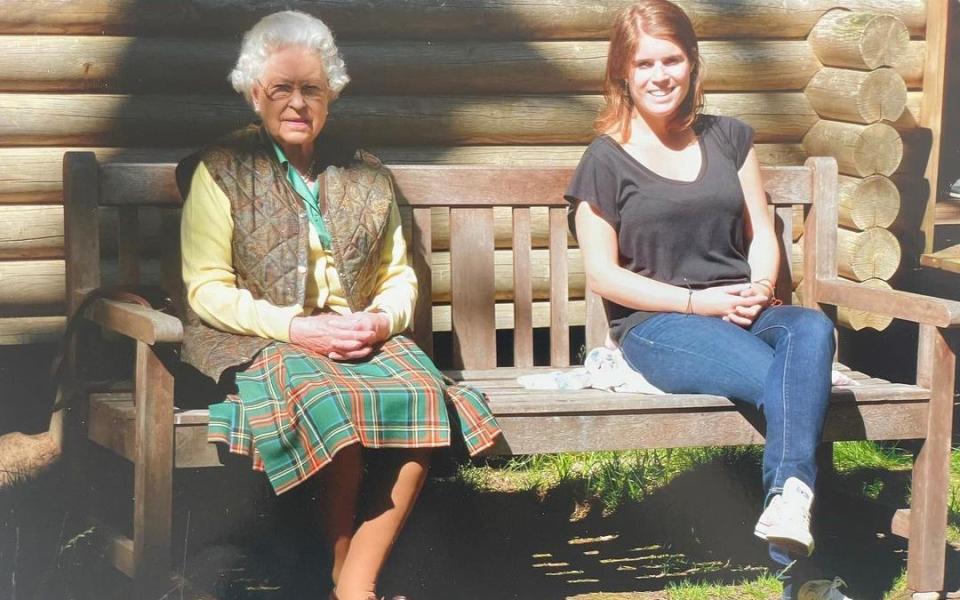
{"points": [[298, 287]]}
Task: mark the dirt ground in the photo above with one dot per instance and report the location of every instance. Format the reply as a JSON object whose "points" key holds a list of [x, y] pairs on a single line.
{"points": [[237, 541]]}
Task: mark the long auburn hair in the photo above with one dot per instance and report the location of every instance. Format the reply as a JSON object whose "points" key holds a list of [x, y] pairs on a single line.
{"points": [[657, 18]]}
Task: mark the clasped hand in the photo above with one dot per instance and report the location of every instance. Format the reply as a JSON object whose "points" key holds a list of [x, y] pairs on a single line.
{"points": [[340, 337], [739, 303]]}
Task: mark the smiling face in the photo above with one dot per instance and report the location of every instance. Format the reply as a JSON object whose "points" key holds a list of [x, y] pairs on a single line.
{"points": [[292, 98], [659, 78]]}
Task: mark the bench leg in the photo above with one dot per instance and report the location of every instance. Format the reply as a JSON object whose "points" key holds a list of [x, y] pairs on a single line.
{"points": [[153, 474], [931, 473]]}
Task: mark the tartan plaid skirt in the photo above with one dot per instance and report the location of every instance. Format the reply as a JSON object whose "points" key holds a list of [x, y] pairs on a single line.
{"points": [[294, 409]]}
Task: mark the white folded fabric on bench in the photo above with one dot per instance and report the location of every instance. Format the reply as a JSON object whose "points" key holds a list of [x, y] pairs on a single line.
{"points": [[606, 369]]}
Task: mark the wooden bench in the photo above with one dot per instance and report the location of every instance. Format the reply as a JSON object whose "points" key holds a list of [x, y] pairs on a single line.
{"points": [[473, 211]]}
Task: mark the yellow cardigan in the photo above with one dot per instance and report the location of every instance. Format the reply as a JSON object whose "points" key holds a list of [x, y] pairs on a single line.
{"points": [[206, 231]]}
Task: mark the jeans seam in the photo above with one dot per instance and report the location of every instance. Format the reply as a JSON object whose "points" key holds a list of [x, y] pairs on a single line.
{"points": [[685, 351], [783, 399]]}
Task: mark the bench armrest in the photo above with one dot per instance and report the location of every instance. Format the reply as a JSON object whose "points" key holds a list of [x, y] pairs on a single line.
{"points": [[917, 308], [141, 323]]}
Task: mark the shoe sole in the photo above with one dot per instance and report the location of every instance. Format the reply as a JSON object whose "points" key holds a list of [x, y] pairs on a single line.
{"points": [[795, 546], [761, 530]]}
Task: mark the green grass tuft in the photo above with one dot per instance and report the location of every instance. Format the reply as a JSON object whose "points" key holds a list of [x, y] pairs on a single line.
{"points": [[608, 477], [851, 456], [762, 588]]}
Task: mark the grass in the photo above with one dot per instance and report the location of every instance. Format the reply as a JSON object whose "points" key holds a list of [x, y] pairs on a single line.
{"points": [[765, 586], [876, 470], [608, 477]]}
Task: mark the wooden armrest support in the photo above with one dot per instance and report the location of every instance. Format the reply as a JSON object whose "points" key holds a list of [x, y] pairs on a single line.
{"points": [[917, 308], [138, 322]]}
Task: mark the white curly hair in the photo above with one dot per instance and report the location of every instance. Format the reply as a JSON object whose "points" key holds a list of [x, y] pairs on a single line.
{"points": [[282, 30]]}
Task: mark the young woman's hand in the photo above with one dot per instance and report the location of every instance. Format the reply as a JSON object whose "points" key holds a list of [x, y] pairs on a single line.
{"points": [[728, 302], [340, 337]]}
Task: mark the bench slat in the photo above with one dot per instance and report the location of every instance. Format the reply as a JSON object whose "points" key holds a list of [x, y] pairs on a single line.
{"points": [[522, 290], [516, 400], [128, 245], [153, 184], [559, 290], [421, 246], [473, 290]]}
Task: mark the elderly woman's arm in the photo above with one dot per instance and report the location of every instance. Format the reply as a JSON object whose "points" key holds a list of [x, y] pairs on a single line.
{"points": [[396, 290], [206, 232]]}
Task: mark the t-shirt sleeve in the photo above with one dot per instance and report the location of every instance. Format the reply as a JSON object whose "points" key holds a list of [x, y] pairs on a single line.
{"points": [[741, 139], [593, 182]]}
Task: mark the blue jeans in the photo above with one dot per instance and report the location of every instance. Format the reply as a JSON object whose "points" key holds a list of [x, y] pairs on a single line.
{"points": [[781, 365]]}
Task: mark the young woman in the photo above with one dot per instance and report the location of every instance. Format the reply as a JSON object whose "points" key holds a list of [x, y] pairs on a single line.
{"points": [[673, 225]]}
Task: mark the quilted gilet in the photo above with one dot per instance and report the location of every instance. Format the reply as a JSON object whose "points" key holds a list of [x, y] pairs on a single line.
{"points": [[270, 235]]}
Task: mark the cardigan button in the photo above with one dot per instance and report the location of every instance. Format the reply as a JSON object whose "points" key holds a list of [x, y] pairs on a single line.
{"points": [[301, 269]]}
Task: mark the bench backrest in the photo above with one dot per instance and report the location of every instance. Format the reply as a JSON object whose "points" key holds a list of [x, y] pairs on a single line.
{"points": [[490, 246]]}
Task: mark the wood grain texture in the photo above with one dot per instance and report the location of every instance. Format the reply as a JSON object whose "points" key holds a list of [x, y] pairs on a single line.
{"points": [[138, 322], [917, 308], [144, 65], [931, 473], [819, 230], [874, 252], [431, 19], [559, 289], [855, 319], [472, 288], [422, 249], [31, 330], [858, 96], [872, 201], [184, 120], [860, 150], [33, 175], [859, 40], [522, 289], [940, 59], [81, 241], [153, 472]]}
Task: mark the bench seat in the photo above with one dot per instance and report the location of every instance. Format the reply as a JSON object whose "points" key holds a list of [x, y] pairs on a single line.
{"points": [[583, 420]]}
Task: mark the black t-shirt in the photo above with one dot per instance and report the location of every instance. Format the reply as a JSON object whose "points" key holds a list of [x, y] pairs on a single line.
{"points": [[687, 234]]}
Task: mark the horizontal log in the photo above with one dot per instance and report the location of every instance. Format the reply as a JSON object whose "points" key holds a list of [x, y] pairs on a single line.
{"points": [[431, 19], [33, 175], [48, 329], [860, 150], [861, 255], [164, 65], [31, 330], [910, 65], [31, 287], [503, 275], [873, 201], [858, 96], [24, 283], [48, 119], [32, 231], [859, 40], [872, 253]]}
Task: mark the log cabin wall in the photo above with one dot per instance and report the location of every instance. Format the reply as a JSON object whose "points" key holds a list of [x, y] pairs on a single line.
{"points": [[459, 81]]}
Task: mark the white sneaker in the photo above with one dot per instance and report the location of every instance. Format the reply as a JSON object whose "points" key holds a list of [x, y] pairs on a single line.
{"points": [[823, 589], [786, 520]]}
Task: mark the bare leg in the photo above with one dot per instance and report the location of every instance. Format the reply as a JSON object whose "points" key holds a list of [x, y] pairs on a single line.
{"points": [[338, 504], [392, 497]]}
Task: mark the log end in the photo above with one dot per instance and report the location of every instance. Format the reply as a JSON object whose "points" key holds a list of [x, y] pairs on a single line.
{"points": [[883, 96], [879, 149]]}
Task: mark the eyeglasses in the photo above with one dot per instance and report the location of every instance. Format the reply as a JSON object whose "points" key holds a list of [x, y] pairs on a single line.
{"points": [[280, 92]]}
